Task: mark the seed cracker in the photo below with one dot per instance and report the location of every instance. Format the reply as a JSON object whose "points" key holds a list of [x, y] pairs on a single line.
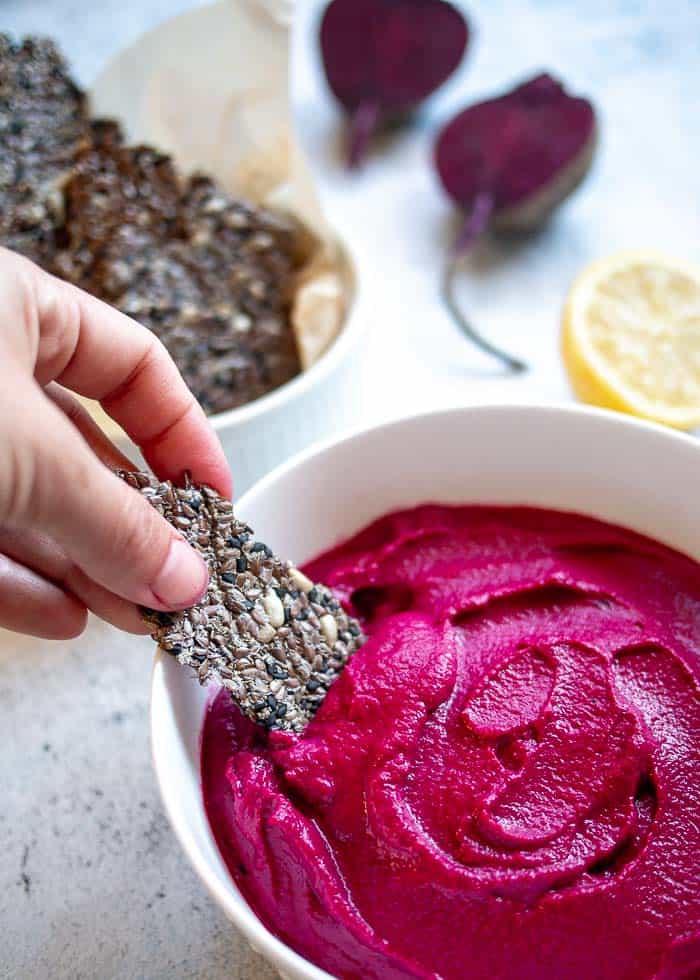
{"points": [[212, 276], [264, 631], [43, 125]]}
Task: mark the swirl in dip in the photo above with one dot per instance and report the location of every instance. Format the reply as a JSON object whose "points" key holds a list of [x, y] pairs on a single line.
{"points": [[504, 783]]}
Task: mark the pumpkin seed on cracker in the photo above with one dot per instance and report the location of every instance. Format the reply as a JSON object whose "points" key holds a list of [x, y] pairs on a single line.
{"points": [[263, 630]]}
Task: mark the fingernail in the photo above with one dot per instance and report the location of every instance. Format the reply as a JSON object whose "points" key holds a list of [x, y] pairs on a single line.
{"points": [[183, 579]]}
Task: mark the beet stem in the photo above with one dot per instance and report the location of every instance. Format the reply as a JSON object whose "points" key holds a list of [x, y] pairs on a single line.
{"points": [[473, 227], [475, 224], [363, 123]]}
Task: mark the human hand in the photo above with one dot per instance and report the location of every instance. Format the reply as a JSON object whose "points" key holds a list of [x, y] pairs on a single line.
{"points": [[73, 536]]}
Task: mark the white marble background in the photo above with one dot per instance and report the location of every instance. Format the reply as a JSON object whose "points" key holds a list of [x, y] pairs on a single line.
{"points": [[92, 883]]}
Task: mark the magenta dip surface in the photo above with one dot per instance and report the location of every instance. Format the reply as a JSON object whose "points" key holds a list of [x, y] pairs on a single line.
{"points": [[505, 780]]}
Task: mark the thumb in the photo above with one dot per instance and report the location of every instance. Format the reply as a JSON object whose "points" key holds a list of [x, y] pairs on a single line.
{"points": [[55, 484]]}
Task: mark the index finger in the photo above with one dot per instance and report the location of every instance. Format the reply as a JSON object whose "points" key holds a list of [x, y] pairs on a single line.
{"points": [[98, 352]]}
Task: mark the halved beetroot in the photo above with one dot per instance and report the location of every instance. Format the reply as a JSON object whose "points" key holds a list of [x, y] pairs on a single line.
{"points": [[384, 57], [509, 162]]}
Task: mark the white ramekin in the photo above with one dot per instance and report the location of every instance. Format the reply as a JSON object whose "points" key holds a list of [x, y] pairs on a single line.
{"points": [[620, 470]]}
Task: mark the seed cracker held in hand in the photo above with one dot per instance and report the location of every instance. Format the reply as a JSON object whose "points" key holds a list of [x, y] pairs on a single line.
{"points": [[269, 635]]}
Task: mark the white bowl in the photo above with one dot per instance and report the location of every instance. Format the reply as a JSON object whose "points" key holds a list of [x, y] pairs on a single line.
{"points": [[611, 467]]}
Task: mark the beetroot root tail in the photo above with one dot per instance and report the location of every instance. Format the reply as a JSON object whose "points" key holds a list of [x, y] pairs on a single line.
{"points": [[363, 123], [475, 224]]}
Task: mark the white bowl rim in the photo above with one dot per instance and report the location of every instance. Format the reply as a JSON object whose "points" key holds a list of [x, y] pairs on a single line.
{"points": [[488, 407], [236, 908]]}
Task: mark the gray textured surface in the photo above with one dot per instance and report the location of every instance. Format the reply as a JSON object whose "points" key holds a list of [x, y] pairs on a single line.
{"points": [[92, 883]]}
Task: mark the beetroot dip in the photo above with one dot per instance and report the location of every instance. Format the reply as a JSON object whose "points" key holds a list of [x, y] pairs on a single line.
{"points": [[504, 783]]}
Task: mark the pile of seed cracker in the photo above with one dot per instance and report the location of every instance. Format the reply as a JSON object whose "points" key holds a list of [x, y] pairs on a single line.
{"points": [[269, 635], [43, 125], [213, 276]]}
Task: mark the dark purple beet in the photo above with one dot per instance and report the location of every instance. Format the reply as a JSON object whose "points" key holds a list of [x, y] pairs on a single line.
{"points": [[509, 162], [383, 57]]}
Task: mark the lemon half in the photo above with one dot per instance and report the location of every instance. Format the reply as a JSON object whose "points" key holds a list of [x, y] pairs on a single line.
{"points": [[631, 337]]}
